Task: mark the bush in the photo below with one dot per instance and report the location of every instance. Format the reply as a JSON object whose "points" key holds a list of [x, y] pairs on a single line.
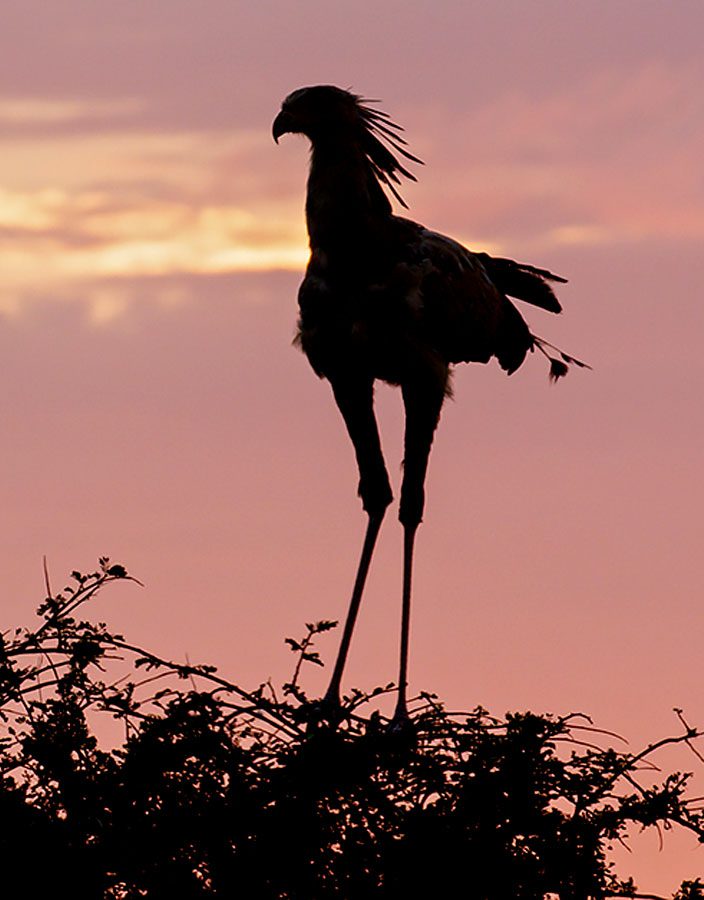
{"points": [[217, 791]]}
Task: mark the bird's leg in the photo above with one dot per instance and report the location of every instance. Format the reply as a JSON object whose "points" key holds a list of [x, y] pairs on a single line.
{"points": [[355, 399], [423, 402], [332, 695], [401, 712]]}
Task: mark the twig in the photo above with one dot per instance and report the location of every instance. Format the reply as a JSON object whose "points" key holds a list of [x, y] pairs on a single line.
{"points": [[46, 579]]}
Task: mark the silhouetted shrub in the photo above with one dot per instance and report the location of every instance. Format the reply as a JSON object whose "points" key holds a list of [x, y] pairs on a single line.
{"points": [[221, 792]]}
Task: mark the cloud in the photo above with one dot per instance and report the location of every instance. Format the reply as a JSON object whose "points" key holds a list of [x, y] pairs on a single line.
{"points": [[52, 235], [129, 204], [31, 113], [614, 156], [33, 211]]}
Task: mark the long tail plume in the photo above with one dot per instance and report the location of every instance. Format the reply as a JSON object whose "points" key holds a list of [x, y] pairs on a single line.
{"points": [[560, 362]]}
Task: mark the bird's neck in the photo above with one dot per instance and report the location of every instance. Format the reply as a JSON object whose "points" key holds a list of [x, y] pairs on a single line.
{"points": [[346, 208]]}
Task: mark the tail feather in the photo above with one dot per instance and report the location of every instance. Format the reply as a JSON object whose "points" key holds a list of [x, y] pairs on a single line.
{"points": [[523, 281], [530, 284], [559, 367]]}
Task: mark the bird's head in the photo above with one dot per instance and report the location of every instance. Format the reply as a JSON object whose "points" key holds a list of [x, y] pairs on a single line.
{"points": [[317, 111], [325, 112]]}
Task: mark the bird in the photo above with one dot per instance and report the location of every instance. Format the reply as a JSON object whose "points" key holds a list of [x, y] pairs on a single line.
{"points": [[387, 299]]}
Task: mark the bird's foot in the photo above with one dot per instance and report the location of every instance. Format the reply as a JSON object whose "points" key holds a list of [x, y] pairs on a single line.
{"points": [[401, 725], [326, 712]]}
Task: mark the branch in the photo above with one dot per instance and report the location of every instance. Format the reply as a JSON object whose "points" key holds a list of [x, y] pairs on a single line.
{"points": [[185, 671]]}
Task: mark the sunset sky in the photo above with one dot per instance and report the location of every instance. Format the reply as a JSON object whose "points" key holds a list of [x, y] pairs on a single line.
{"points": [[154, 410]]}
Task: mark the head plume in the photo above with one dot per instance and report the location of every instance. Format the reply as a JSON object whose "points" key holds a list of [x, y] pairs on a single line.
{"points": [[379, 133]]}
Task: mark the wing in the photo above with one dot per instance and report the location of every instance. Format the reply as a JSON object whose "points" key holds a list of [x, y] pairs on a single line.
{"points": [[467, 317]]}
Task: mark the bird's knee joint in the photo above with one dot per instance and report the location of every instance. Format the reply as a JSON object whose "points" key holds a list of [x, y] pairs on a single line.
{"points": [[410, 517], [410, 511], [376, 506], [376, 494]]}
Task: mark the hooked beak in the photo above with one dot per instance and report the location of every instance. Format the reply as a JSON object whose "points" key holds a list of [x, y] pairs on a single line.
{"points": [[283, 124]]}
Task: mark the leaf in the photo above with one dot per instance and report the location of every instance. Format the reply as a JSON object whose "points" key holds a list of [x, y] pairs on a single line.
{"points": [[314, 658], [147, 662]]}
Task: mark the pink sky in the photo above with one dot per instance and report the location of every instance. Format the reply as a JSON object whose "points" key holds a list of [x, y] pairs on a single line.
{"points": [[154, 410]]}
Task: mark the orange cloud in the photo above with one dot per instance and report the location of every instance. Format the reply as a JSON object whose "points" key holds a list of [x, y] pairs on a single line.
{"points": [[32, 112]]}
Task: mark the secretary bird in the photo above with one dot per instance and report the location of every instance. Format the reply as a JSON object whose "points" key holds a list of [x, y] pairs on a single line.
{"points": [[385, 298]]}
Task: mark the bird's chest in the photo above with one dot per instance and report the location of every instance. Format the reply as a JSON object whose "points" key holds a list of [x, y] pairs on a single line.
{"points": [[373, 326]]}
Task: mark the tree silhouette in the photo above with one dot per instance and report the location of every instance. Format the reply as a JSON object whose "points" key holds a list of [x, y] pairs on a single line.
{"points": [[216, 791]]}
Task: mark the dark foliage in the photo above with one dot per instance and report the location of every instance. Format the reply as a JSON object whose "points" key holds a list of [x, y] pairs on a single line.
{"points": [[220, 792]]}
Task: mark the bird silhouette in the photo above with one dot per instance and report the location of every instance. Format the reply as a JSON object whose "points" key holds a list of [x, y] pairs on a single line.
{"points": [[386, 298]]}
